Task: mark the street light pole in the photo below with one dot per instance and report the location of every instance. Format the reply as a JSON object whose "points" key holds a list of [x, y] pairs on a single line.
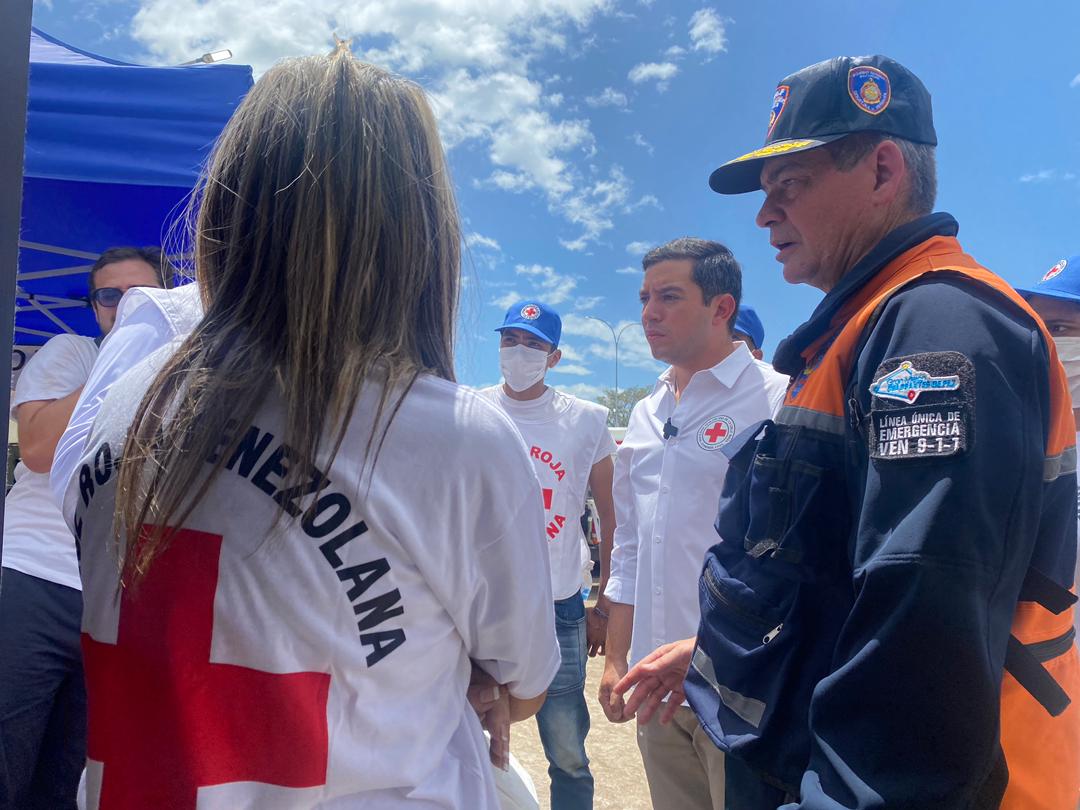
{"points": [[616, 337]]}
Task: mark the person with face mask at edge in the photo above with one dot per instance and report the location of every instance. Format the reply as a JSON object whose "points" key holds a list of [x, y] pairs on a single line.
{"points": [[571, 450], [1056, 298]]}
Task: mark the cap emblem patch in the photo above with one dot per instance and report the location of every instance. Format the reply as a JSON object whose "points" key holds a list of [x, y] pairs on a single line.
{"points": [[779, 101], [530, 312], [869, 88], [1055, 270]]}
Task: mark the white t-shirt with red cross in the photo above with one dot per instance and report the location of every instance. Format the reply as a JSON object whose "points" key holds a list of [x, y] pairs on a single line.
{"points": [[566, 436], [321, 662], [36, 539]]}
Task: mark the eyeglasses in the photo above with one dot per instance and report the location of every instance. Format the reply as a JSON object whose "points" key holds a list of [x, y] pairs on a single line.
{"points": [[107, 296]]}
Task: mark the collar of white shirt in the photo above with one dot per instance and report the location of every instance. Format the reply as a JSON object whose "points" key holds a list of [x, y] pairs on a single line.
{"points": [[726, 372]]}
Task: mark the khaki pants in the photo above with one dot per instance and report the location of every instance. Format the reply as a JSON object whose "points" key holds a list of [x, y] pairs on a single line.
{"points": [[685, 770]]}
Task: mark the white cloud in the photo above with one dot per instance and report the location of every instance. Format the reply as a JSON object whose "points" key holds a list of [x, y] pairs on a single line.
{"points": [[475, 58], [506, 299], [1076, 81], [594, 206], [543, 283], [572, 368], [639, 248], [608, 97], [629, 271], [1047, 176], [515, 182], [674, 52], [583, 390], [479, 241], [659, 72], [633, 348], [707, 32], [587, 302], [639, 140], [570, 352], [1038, 177]]}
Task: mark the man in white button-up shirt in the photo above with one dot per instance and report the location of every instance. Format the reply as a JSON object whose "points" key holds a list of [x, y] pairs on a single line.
{"points": [[668, 475]]}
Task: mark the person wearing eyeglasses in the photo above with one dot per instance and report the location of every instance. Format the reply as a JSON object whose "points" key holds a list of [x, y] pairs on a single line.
{"points": [[42, 696]]}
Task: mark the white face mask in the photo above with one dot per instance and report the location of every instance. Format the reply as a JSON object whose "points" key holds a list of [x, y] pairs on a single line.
{"points": [[522, 367], [1068, 349]]}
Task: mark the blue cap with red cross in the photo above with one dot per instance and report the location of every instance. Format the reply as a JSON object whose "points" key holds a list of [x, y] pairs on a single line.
{"points": [[1060, 281], [535, 317]]}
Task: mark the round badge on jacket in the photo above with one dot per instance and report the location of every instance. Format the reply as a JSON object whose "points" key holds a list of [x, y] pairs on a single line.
{"points": [[715, 432]]}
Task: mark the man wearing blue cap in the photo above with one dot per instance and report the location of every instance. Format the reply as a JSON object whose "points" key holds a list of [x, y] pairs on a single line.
{"points": [[886, 621], [1057, 300], [571, 449], [749, 329]]}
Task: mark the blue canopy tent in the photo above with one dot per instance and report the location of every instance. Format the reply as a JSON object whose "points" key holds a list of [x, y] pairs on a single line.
{"points": [[112, 150]]}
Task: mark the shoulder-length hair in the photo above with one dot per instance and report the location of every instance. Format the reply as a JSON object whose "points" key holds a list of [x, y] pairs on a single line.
{"points": [[327, 250]]}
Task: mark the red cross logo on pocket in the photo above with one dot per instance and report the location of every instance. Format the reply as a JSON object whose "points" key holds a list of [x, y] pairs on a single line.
{"points": [[715, 432]]}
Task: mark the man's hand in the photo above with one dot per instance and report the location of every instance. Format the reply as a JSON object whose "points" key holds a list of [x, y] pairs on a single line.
{"points": [[658, 676], [611, 703], [491, 702], [596, 627]]}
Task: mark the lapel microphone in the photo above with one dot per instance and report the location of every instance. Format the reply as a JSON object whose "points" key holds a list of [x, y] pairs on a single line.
{"points": [[669, 429]]}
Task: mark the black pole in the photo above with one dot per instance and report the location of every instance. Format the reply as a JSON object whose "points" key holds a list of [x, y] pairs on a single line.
{"points": [[15, 18]]}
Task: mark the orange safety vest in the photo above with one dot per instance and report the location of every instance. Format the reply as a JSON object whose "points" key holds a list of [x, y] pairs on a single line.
{"points": [[1042, 751]]}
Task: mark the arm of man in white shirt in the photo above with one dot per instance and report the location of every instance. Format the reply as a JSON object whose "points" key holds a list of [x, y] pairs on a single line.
{"points": [[620, 589], [41, 424], [600, 479], [46, 397]]}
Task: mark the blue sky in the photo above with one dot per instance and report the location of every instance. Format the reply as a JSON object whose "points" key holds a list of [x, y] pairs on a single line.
{"points": [[581, 132]]}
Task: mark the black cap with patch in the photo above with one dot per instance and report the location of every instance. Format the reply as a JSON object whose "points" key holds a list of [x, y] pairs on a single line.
{"points": [[825, 102]]}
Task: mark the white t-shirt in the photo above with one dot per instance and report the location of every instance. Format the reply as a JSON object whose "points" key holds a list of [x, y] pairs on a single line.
{"points": [[322, 663], [146, 319], [566, 436], [36, 539], [666, 491]]}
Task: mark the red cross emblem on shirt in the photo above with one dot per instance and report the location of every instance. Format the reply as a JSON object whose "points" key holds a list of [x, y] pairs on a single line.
{"points": [[164, 720], [715, 432]]}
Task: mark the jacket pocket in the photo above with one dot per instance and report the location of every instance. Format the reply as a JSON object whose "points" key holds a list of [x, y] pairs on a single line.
{"points": [[789, 509], [757, 659]]}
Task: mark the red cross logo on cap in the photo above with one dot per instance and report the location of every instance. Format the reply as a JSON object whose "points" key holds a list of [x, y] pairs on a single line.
{"points": [[165, 720], [530, 312], [1055, 270], [715, 432]]}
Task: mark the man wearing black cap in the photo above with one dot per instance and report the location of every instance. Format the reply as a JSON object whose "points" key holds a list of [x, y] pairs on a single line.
{"points": [[890, 597]]}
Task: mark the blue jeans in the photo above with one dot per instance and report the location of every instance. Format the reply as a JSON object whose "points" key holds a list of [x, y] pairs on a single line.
{"points": [[563, 720]]}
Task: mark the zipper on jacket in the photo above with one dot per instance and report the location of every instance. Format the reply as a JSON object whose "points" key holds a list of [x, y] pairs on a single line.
{"points": [[772, 633], [760, 624], [856, 417]]}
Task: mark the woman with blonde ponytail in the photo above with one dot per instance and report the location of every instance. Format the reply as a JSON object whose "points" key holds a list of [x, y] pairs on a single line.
{"points": [[289, 551]]}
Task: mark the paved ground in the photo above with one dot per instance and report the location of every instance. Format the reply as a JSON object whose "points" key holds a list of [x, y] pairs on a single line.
{"points": [[612, 748]]}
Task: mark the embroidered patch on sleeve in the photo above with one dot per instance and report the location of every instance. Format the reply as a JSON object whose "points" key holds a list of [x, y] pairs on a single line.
{"points": [[922, 406]]}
